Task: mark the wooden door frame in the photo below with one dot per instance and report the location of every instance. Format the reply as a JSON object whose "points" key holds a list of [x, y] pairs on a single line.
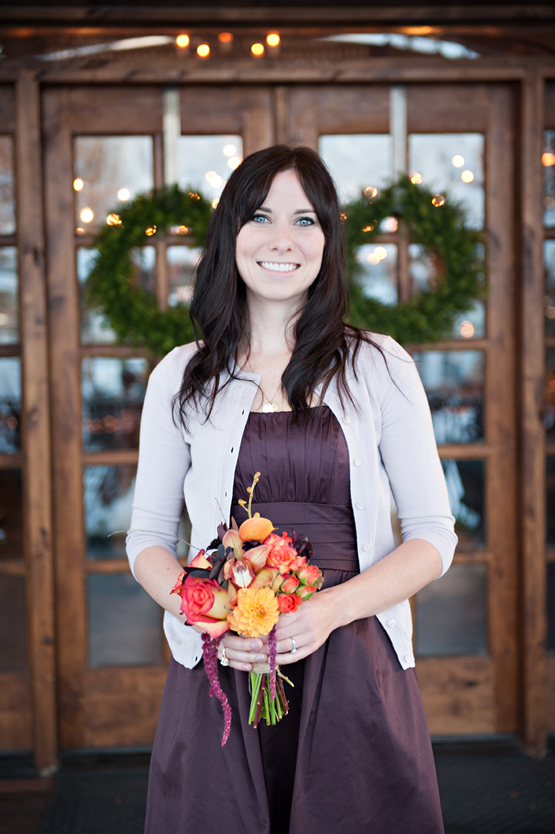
{"points": [[530, 74]]}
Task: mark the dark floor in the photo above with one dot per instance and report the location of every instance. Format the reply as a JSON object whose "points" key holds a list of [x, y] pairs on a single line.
{"points": [[487, 786]]}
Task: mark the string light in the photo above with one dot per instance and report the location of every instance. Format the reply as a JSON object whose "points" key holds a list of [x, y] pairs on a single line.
{"points": [[257, 49], [234, 162], [467, 329], [273, 39], [150, 231], [123, 194], [438, 200], [79, 231], [229, 150], [373, 259], [182, 41], [203, 50], [380, 252], [113, 220], [467, 176], [548, 159], [370, 192], [369, 228], [225, 37], [458, 161], [87, 215], [390, 224], [179, 230], [215, 202], [78, 184], [416, 178]]}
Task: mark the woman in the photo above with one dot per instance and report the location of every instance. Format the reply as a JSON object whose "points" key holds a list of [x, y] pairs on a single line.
{"points": [[332, 418]]}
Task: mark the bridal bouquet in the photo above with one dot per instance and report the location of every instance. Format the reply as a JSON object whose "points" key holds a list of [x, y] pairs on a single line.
{"points": [[243, 581]]}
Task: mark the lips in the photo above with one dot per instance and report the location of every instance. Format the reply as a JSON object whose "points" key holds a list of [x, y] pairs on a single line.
{"points": [[273, 266]]}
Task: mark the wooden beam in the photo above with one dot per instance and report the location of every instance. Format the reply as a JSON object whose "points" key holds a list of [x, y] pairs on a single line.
{"points": [[35, 420], [532, 433]]}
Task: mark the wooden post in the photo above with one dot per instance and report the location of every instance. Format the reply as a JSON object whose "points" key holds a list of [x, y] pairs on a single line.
{"points": [[532, 441], [36, 424]]}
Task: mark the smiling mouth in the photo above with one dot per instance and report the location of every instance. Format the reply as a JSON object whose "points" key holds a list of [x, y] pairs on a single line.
{"points": [[271, 266]]}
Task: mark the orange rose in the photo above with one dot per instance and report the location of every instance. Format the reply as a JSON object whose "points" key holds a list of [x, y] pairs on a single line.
{"points": [[288, 603], [281, 554], [306, 591], [204, 602], [308, 574], [290, 585]]}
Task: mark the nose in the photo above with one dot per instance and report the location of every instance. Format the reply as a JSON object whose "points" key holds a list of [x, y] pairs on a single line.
{"points": [[282, 237]]}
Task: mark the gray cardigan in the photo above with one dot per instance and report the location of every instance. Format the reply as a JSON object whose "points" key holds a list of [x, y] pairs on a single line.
{"points": [[391, 445]]}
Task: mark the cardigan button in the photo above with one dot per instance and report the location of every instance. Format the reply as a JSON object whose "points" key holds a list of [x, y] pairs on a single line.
{"points": [[391, 623], [357, 461], [367, 547], [408, 658], [360, 505]]}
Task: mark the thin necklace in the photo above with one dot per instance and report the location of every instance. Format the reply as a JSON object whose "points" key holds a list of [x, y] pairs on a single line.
{"points": [[270, 406]]}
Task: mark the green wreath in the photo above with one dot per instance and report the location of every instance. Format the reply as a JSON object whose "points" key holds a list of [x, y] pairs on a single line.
{"points": [[431, 220]]}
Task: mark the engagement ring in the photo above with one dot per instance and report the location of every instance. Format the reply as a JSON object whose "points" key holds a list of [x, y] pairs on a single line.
{"points": [[224, 661], [293, 646]]}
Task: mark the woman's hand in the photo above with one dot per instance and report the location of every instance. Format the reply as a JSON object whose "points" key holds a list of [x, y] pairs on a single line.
{"points": [[241, 652], [310, 626]]}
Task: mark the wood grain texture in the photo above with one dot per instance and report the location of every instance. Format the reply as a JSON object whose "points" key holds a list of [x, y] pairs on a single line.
{"points": [[63, 304], [258, 122], [458, 694], [532, 433], [35, 419], [550, 722], [16, 712]]}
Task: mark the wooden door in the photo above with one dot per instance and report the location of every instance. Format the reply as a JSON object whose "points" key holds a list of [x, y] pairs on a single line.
{"points": [[104, 145], [458, 137]]}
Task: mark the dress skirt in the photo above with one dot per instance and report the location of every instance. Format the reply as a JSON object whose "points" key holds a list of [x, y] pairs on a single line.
{"points": [[354, 752]]}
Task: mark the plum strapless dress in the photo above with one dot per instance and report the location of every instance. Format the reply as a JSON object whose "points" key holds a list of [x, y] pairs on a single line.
{"points": [[354, 752]]}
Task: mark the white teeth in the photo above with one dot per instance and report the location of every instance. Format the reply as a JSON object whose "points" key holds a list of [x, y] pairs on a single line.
{"points": [[278, 267]]}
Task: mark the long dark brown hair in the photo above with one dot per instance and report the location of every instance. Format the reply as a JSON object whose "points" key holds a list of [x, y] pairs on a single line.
{"points": [[219, 306]]}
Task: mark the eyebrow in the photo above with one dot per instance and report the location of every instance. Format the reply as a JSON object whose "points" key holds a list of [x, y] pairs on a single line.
{"points": [[299, 211]]}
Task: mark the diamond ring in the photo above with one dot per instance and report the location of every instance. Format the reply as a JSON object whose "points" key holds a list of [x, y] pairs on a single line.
{"points": [[293, 646], [224, 659]]}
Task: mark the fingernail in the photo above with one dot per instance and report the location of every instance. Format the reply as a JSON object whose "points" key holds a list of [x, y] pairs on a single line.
{"points": [[246, 667], [256, 644], [261, 658]]}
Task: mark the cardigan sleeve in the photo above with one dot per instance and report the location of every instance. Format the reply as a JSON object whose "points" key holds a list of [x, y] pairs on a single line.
{"points": [[410, 456], [164, 459]]}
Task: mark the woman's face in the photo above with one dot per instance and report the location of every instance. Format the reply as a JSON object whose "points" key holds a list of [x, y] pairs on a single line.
{"points": [[279, 250]]}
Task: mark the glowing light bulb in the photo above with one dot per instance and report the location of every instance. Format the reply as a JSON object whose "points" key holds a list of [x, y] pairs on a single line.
{"points": [[273, 39], [390, 224], [150, 231], [113, 220], [87, 215], [369, 228], [467, 329], [229, 150], [548, 159], [78, 184], [438, 200], [209, 174], [257, 49], [467, 176], [458, 161], [123, 194], [371, 192], [225, 37], [203, 50], [373, 258], [416, 178], [234, 162], [182, 41], [215, 202], [380, 252], [215, 181]]}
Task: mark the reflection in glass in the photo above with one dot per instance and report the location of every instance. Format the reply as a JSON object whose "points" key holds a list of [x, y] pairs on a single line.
{"points": [[550, 500], [425, 272], [549, 417], [11, 514], [9, 327], [451, 613], [124, 623], [378, 274], [466, 490], [357, 161], [182, 261], [452, 163], [551, 606], [143, 259], [13, 625], [112, 392], [10, 405], [548, 165], [108, 496], [454, 383], [112, 170], [206, 162], [95, 328], [7, 200], [549, 300]]}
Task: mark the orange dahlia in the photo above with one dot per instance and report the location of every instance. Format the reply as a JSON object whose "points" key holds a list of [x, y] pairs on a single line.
{"points": [[256, 612]]}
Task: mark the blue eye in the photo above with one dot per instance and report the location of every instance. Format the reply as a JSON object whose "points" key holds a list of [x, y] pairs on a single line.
{"points": [[258, 218], [305, 221]]}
